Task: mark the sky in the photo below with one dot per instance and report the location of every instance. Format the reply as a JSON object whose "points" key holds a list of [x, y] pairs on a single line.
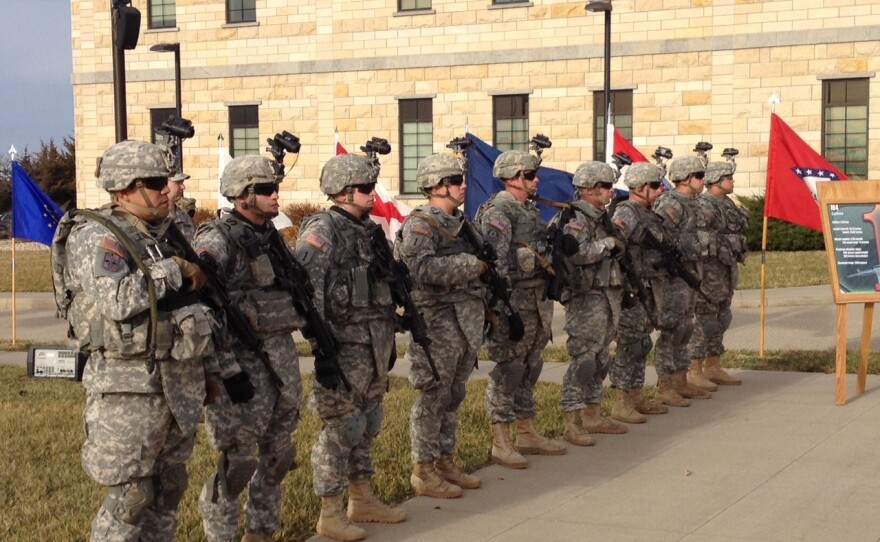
{"points": [[36, 97]]}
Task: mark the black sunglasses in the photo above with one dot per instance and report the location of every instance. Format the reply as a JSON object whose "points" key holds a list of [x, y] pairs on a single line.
{"points": [[365, 189], [453, 180], [529, 175], [155, 183], [264, 189], [606, 186], [655, 185], [698, 175]]}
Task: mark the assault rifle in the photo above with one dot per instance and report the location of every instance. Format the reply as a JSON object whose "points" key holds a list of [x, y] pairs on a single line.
{"points": [[672, 260], [559, 254], [632, 274]]}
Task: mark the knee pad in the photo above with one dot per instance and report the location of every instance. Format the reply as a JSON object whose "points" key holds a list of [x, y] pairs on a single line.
{"points": [[171, 485], [234, 471], [682, 334], [456, 395], [347, 430], [509, 376], [725, 318], [585, 368], [374, 421], [280, 458], [129, 502]]}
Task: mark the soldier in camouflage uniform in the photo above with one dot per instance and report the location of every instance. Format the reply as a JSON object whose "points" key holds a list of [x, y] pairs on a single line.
{"points": [[678, 211], [447, 290], [254, 439], [510, 222], [178, 214], [355, 300], [635, 219], [725, 223], [130, 299], [592, 302]]}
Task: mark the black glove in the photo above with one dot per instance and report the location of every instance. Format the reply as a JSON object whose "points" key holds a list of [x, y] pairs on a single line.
{"points": [[325, 373], [629, 300], [393, 358], [516, 328], [618, 249], [239, 388], [570, 244]]}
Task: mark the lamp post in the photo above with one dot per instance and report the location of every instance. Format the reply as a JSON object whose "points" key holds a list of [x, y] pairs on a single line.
{"points": [[178, 104], [605, 6]]}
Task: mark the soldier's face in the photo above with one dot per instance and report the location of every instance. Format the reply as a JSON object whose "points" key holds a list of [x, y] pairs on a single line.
{"points": [[175, 192], [265, 199], [150, 193]]}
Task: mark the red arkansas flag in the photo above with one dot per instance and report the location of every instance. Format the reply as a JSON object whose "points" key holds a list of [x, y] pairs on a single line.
{"points": [[387, 211], [793, 169], [622, 145]]}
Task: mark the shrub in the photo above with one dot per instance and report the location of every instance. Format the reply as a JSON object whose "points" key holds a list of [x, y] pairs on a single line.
{"points": [[781, 235], [296, 212]]}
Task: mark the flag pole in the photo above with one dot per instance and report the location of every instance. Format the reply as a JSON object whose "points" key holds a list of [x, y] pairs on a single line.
{"points": [[12, 153], [774, 99]]}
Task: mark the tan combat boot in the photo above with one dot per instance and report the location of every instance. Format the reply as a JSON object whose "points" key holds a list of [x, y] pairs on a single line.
{"points": [[425, 481], [666, 393], [333, 522], [256, 537], [624, 410], [574, 429], [696, 379], [646, 406], [713, 371], [503, 452], [447, 468], [364, 507], [595, 422], [530, 442], [680, 384]]}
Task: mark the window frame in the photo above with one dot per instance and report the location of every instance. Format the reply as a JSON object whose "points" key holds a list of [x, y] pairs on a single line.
{"points": [[422, 114], [152, 17], [510, 113], [621, 117], [238, 15], [416, 7], [244, 117], [841, 93]]}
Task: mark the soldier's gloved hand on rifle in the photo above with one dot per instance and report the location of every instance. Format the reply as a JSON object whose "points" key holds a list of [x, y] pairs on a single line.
{"points": [[239, 388], [570, 244], [483, 267], [192, 274], [616, 247], [325, 372]]}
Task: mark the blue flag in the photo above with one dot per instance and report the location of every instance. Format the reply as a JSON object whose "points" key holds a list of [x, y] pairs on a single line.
{"points": [[34, 215], [553, 184]]}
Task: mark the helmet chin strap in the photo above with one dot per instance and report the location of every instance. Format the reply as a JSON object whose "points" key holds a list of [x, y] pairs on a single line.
{"points": [[448, 196], [530, 194], [149, 210], [349, 200], [250, 204]]}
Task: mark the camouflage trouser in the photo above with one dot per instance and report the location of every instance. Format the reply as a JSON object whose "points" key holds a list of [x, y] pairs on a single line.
{"points": [[351, 420], [261, 429], [590, 321], [633, 346], [518, 364], [675, 320], [130, 437], [434, 417], [719, 282]]}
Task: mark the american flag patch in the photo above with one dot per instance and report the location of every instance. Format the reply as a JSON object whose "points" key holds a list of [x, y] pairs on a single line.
{"points": [[576, 225], [112, 245], [498, 224], [315, 240], [421, 228]]}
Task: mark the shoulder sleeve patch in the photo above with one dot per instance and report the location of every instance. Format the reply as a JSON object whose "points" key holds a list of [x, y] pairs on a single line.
{"points": [[498, 224], [315, 239], [576, 225], [112, 245], [421, 228]]}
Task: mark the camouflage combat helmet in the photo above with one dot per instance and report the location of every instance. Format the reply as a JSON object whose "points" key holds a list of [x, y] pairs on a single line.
{"points": [[642, 173], [680, 168], [343, 171], [187, 204], [244, 172], [128, 160], [589, 174], [179, 177], [435, 168], [509, 163], [716, 170]]}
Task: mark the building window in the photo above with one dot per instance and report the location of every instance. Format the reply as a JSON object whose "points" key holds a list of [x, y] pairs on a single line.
{"points": [[410, 5], [241, 11], [244, 130], [845, 125], [503, 2], [163, 14], [157, 117], [621, 117], [416, 140], [510, 122]]}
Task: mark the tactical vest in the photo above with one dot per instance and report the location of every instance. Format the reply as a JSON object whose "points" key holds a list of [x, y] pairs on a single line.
{"points": [[353, 291], [527, 231], [646, 258], [728, 225], [597, 275], [254, 286], [686, 228], [446, 242]]}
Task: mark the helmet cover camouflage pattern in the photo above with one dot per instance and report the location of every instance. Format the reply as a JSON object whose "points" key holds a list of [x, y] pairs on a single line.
{"points": [[716, 170], [510, 163], [179, 177], [436, 167], [642, 173], [681, 167], [343, 171], [589, 174], [187, 204], [244, 172], [128, 160]]}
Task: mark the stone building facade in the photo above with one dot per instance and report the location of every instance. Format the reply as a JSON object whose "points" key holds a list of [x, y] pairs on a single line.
{"points": [[421, 71]]}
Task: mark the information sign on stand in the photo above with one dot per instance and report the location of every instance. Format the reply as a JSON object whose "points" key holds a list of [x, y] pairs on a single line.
{"points": [[54, 362], [851, 227]]}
